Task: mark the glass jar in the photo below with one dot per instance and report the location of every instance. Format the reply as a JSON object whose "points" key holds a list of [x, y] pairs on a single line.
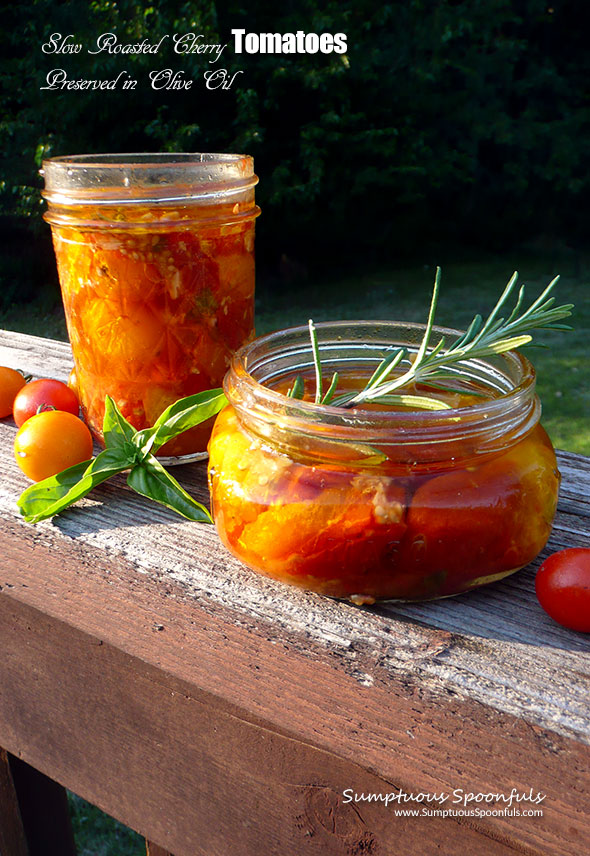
{"points": [[155, 255], [374, 503]]}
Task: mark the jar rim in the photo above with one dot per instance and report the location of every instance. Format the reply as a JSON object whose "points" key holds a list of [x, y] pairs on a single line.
{"points": [[241, 357], [117, 159], [146, 177], [516, 406]]}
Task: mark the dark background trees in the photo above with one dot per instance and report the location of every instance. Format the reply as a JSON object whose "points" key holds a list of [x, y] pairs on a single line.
{"points": [[451, 123]]}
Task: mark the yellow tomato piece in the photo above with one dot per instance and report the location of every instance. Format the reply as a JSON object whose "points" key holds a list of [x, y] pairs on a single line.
{"points": [[123, 344], [287, 530], [236, 277]]}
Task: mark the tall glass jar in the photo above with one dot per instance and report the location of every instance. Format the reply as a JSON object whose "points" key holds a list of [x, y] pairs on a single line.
{"points": [[378, 503], [155, 255]]}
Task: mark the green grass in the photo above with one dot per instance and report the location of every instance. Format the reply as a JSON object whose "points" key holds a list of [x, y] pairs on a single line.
{"points": [[38, 320], [403, 293], [97, 834]]}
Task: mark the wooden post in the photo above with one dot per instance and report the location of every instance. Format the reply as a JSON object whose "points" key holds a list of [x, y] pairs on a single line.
{"points": [[155, 850], [12, 834], [34, 816]]}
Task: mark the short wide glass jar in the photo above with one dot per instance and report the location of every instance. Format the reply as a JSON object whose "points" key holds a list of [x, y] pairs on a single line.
{"points": [[155, 255], [374, 503]]}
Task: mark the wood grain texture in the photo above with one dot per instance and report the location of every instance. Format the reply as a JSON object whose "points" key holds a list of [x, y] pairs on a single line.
{"points": [[37, 356], [198, 773], [240, 691]]}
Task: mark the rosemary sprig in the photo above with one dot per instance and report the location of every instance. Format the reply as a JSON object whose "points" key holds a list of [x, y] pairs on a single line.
{"points": [[298, 388], [316, 361], [482, 338]]}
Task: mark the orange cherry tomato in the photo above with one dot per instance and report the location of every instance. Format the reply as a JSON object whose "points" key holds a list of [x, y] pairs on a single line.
{"points": [[50, 442], [44, 393], [10, 383]]}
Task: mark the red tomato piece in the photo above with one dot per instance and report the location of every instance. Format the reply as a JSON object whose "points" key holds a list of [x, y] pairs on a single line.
{"points": [[489, 519]]}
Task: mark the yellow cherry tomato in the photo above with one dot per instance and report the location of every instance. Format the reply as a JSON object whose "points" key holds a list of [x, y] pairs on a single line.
{"points": [[50, 442]]}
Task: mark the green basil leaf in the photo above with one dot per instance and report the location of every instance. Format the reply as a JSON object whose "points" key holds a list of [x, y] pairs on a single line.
{"points": [[150, 479], [115, 428], [180, 416], [52, 495]]}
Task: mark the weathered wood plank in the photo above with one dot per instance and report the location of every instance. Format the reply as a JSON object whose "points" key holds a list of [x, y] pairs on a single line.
{"points": [[499, 630], [35, 355], [498, 633], [165, 711], [480, 692]]}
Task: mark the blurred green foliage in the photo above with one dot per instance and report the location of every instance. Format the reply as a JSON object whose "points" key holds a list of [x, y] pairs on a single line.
{"points": [[461, 121], [97, 834]]}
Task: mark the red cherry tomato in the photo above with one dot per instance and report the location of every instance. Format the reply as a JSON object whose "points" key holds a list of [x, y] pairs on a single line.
{"points": [[563, 588], [51, 441], [46, 394]]}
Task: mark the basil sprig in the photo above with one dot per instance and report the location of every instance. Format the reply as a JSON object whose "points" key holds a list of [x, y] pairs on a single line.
{"points": [[128, 449]]}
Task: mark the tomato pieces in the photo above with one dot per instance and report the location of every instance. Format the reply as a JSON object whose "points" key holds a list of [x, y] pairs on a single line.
{"points": [[350, 529], [289, 520], [156, 304], [562, 585], [45, 393], [484, 520]]}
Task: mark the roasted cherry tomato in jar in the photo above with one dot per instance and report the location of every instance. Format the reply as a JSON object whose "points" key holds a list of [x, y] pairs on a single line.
{"points": [[11, 382], [563, 588], [45, 393], [155, 257], [484, 520], [51, 441]]}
